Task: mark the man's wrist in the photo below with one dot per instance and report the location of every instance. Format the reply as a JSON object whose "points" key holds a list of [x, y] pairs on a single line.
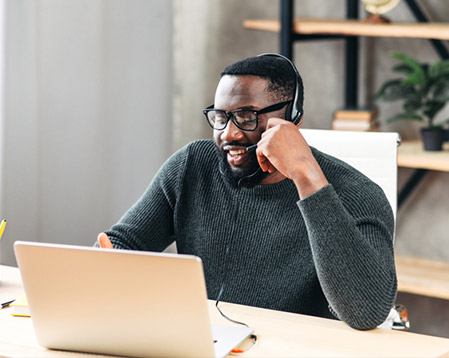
{"points": [[309, 181]]}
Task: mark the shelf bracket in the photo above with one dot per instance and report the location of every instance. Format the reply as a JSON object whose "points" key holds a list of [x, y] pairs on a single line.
{"points": [[286, 33], [352, 59], [421, 17], [410, 185]]}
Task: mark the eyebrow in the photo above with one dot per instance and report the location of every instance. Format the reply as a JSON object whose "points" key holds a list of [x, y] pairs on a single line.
{"points": [[245, 108], [251, 108]]}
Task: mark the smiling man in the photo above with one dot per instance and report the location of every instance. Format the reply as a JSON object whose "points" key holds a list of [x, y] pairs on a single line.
{"points": [[277, 223]]}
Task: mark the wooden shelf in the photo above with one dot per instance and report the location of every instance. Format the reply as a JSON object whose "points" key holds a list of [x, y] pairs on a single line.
{"points": [[307, 26], [423, 277], [412, 155]]}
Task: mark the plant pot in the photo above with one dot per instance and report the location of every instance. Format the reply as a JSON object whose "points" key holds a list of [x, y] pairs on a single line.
{"points": [[433, 138]]}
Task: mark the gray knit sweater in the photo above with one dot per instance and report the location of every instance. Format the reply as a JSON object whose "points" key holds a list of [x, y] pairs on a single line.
{"points": [[330, 253]]}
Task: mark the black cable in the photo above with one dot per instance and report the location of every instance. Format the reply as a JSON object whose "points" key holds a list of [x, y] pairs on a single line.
{"points": [[227, 258], [248, 177], [223, 284]]}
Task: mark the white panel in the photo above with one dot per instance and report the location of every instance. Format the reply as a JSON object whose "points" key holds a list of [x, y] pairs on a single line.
{"points": [[372, 153]]}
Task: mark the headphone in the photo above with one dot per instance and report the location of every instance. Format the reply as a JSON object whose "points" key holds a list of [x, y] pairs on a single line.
{"points": [[294, 109]]}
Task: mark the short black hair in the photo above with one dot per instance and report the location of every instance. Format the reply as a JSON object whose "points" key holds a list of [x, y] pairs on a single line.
{"points": [[277, 70]]}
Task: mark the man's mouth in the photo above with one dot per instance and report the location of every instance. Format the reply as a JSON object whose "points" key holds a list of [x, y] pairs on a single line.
{"points": [[236, 156], [239, 166]]}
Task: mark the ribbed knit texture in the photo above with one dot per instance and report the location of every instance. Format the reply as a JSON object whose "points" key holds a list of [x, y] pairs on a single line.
{"points": [[329, 252]]}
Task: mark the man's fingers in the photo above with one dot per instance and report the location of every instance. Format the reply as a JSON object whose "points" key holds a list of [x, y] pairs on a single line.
{"points": [[104, 242], [265, 163]]}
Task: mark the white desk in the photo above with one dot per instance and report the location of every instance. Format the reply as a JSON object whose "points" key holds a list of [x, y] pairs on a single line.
{"points": [[280, 334]]}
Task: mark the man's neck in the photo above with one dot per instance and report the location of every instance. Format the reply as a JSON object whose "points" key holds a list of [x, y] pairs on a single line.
{"points": [[273, 178]]}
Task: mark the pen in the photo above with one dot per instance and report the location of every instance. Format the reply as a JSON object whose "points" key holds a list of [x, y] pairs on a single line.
{"points": [[2, 227], [7, 304], [251, 148]]}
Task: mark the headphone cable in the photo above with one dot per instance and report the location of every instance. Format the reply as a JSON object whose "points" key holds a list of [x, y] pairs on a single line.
{"points": [[226, 264]]}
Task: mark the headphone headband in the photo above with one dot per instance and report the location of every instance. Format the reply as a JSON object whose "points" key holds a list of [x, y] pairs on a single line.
{"points": [[294, 111]]}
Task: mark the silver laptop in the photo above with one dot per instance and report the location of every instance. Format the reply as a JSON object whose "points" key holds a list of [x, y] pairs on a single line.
{"points": [[121, 302]]}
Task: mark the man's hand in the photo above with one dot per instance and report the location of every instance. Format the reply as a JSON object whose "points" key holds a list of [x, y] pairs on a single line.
{"points": [[104, 242], [283, 148]]}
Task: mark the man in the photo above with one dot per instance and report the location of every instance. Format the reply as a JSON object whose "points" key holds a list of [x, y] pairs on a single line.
{"points": [[284, 226]]}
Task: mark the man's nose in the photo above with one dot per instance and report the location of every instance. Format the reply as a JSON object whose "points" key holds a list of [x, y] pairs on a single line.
{"points": [[231, 132]]}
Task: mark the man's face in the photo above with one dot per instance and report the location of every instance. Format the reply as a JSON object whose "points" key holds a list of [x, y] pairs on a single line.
{"points": [[236, 92]]}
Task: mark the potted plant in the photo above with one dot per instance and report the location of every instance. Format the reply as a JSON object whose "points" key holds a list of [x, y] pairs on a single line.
{"points": [[424, 88]]}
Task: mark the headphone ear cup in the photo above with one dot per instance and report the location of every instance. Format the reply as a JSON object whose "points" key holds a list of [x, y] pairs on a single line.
{"points": [[288, 112], [296, 115]]}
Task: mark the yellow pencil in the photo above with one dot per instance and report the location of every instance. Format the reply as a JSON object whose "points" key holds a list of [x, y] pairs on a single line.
{"points": [[2, 228]]}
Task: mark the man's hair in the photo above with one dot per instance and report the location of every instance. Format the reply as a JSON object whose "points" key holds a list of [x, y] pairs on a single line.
{"points": [[277, 70]]}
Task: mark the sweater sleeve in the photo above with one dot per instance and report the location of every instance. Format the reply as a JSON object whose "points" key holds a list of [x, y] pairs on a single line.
{"points": [[148, 224], [351, 237]]}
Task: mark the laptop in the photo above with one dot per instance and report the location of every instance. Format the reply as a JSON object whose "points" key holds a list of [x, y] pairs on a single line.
{"points": [[121, 302]]}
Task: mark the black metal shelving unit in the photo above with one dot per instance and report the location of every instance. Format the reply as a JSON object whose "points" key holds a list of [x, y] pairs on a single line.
{"points": [[288, 37]]}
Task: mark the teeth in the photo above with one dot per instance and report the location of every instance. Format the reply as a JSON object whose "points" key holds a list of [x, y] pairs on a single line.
{"points": [[237, 152]]}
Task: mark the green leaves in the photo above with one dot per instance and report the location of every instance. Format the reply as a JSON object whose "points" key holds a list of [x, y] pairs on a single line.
{"points": [[416, 75], [413, 104], [439, 69], [431, 108], [423, 87], [401, 68], [441, 89], [405, 117], [395, 89]]}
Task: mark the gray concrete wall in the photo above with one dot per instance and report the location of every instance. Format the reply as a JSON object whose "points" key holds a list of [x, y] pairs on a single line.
{"points": [[87, 117]]}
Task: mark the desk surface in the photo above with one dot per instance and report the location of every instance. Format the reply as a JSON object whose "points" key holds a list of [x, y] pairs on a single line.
{"points": [[412, 155], [280, 334]]}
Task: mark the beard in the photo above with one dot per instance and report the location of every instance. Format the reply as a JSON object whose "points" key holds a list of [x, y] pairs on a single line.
{"points": [[248, 176]]}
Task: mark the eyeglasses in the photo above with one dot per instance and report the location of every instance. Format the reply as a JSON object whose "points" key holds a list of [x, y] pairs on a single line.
{"points": [[245, 119]]}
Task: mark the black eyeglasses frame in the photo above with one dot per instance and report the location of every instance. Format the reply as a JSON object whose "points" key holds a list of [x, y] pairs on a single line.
{"points": [[230, 114]]}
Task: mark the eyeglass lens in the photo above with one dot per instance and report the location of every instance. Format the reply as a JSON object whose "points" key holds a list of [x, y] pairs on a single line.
{"points": [[243, 119]]}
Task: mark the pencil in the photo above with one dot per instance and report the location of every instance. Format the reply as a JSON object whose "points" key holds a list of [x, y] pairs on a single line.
{"points": [[2, 228]]}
